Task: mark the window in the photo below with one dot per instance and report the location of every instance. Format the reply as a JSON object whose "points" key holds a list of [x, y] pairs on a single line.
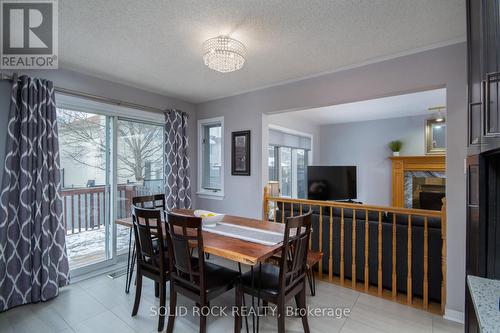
{"points": [[288, 158], [211, 158]]}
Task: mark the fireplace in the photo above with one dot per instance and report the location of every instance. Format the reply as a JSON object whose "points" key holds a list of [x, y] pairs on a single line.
{"points": [[418, 181], [424, 189]]}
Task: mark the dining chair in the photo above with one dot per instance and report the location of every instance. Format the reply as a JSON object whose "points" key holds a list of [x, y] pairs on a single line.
{"points": [[150, 201], [191, 275], [278, 284], [156, 201], [313, 259], [152, 257]]}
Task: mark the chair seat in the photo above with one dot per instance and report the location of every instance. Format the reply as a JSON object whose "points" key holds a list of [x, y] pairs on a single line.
{"points": [[165, 258], [269, 279], [217, 277], [313, 257]]}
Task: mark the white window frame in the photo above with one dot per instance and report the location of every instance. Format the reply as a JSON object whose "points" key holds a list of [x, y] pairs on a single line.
{"points": [[203, 193]]}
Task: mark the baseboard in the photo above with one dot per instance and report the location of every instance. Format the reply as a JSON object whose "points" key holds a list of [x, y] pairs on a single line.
{"points": [[454, 315]]}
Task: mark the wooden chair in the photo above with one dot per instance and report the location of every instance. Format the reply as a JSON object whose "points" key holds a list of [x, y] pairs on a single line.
{"points": [[192, 276], [152, 257], [277, 284], [313, 258], [150, 201], [156, 201]]}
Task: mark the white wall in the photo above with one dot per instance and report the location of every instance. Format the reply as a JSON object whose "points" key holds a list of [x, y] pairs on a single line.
{"points": [[364, 144], [437, 68]]}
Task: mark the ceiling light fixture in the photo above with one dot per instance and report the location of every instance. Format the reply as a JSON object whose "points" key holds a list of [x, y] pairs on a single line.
{"points": [[439, 117], [224, 54]]}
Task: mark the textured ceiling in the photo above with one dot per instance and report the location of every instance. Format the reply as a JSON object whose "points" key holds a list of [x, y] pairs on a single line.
{"points": [[156, 45], [406, 105]]}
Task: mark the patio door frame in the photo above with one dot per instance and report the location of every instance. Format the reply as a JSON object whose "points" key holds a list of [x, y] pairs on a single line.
{"points": [[113, 115]]}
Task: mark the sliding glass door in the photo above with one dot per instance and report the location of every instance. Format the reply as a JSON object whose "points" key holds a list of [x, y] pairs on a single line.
{"points": [[84, 140], [139, 168], [106, 160], [288, 166]]}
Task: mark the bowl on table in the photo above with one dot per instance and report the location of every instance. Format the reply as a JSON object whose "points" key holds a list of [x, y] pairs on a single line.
{"points": [[209, 219]]}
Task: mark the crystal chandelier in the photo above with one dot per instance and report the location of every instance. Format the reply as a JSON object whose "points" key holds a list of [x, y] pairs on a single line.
{"points": [[224, 54]]}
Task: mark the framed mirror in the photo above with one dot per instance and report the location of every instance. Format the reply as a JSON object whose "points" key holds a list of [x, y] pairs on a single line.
{"points": [[435, 137]]}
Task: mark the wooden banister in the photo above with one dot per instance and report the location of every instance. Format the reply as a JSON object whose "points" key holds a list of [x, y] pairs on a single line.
{"points": [[330, 260], [265, 204], [395, 221], [342, 241], [320, 248]]}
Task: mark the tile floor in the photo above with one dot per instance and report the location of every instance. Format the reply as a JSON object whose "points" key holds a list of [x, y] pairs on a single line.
{"points": [[101, 305]]}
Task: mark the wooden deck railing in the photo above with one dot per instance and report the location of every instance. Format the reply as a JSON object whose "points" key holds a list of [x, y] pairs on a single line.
{"points": [[84, 208], [278, 203]]}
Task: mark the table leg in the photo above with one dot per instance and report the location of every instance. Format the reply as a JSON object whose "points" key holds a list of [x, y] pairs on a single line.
{"points": [[132, 265], [244, 303], [258, 296], [127, 285]]}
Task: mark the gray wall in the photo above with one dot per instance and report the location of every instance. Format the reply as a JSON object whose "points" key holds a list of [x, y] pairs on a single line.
{"points": [[364, 144], [437, 68], [95, 86]]}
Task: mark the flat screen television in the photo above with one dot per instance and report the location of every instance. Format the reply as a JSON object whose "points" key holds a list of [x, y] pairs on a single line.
{"points": [[331, 183]]}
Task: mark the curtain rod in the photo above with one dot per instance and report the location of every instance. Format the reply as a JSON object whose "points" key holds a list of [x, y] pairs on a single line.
{"points": [[96, 98]]}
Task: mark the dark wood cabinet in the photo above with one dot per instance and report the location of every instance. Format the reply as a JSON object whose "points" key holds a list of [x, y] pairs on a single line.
{"points": [[476, 231], [483, 35], [491, 71], [483, 162], [476, 246]]}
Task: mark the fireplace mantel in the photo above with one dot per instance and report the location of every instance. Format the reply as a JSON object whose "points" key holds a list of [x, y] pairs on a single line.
{"points": [[401, 164]]}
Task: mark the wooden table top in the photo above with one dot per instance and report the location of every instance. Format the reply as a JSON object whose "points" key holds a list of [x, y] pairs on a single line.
{"points": [[233, 248]]}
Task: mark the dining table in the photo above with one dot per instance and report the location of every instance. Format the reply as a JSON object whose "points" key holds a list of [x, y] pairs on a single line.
{"points": [[235, 249], [230, 248]]}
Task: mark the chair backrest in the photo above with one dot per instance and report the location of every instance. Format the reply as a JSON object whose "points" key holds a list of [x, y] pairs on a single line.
{"points": [[293, 261], [148, 229], [185, 235], [150, 201]]}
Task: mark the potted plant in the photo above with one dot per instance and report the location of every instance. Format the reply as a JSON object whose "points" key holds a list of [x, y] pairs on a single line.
{"points": [[395, 146]]}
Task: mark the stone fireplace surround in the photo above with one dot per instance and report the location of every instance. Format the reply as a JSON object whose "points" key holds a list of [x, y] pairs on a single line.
{"points": [[408, 183]]}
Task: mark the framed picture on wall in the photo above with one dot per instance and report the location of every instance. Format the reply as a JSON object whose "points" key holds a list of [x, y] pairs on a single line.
{"points": [[240, 153]]}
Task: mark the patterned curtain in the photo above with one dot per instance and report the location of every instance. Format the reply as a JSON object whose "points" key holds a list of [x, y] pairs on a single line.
{"points": [[33, 259], [177, 169]]}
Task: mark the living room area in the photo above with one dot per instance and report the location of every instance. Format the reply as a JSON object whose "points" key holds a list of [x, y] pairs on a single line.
{"points": [[370, 137], [370, 157]]}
